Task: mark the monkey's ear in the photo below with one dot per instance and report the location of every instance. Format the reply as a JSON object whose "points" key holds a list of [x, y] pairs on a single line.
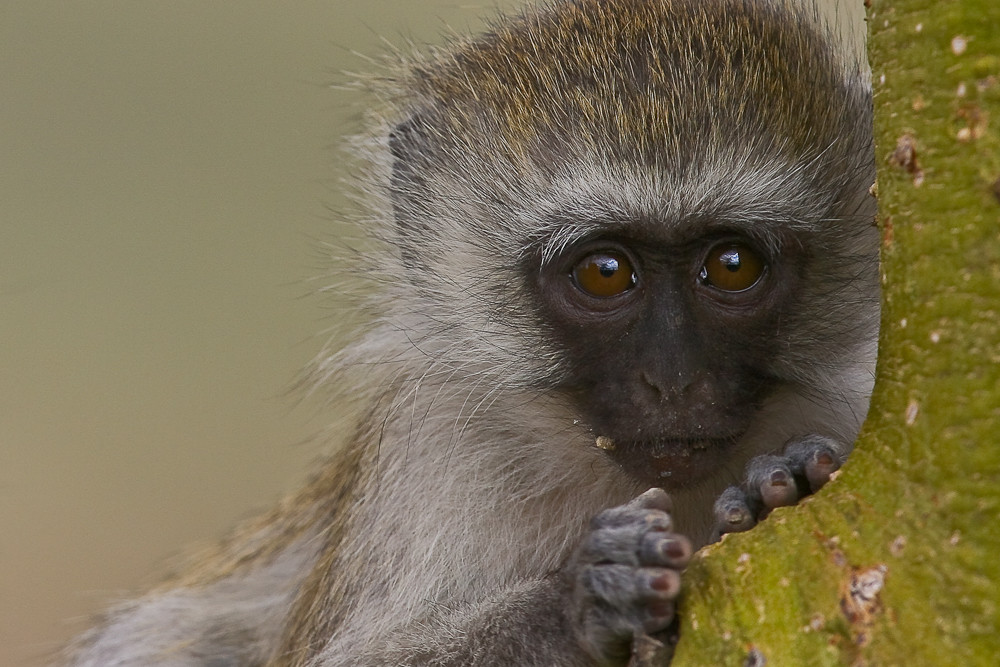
{"points": [[408, 190]]}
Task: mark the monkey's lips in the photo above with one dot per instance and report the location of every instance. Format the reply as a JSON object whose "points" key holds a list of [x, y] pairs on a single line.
{"points": [[669, 462]]}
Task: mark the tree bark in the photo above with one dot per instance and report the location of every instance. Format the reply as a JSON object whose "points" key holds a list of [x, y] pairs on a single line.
{"points": [[897, 561]]}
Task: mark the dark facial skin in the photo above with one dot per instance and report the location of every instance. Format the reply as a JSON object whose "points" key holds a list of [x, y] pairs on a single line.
{"points": [[669, 342]]}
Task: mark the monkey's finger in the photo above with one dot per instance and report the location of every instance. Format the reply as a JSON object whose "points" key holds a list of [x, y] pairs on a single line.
{"points": [[819, 468], [649, 511], [733, 513], [632, 519], [626, 543], [670, 550], [627, 588], [658, 583], [815, 458], [654, 499], [659, 616], [628, 600], [770, 479], [659, 588]]}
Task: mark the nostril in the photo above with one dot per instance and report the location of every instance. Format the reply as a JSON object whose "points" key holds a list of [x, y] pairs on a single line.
{"points": [[650, 381]]}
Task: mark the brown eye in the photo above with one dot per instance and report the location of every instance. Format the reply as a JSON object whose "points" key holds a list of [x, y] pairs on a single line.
{"points": [[604, 274], [732, 267]]}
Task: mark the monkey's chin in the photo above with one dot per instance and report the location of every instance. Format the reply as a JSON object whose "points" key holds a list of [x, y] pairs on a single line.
{"points": [[669, 463]]}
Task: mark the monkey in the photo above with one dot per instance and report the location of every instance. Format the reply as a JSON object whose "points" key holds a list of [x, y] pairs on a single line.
{"points": [[625, 291]]}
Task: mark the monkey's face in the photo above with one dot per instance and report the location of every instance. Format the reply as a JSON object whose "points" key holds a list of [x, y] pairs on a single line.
{"points": [[673, 233], [669, 338]]}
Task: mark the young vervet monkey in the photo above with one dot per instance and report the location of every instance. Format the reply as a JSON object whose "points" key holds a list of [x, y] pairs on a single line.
{"points": [[629, 269]]}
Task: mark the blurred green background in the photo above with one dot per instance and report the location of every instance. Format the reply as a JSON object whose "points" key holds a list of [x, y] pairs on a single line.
{"points": [[168, 171]]}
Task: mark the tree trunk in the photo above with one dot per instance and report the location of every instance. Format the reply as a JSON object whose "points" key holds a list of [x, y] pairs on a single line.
{"points": [[897, 561]]}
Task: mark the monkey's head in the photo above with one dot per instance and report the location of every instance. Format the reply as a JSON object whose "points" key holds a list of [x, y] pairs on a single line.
{"points": [[614, 202]]}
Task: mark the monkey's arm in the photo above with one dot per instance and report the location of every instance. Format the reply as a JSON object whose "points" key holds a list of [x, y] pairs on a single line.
{"points": [[235, 620], [527, 625], [622, 580]]}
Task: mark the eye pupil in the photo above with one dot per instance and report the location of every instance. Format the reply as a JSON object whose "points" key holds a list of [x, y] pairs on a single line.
{"points": [[731, 260], [608, 267]]}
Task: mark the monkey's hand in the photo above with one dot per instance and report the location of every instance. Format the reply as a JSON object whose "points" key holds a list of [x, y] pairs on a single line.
{"points": [[775, 481], [626, 575]]}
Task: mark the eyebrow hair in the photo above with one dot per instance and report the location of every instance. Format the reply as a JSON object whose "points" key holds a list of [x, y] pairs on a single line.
{"points": [[761, 203]]}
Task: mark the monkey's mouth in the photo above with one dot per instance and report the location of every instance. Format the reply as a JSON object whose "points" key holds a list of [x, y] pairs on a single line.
{"points": [[669, 462]]}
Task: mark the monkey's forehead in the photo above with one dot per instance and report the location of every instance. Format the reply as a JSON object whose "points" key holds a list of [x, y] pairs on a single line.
{"points": [[639, 76]]}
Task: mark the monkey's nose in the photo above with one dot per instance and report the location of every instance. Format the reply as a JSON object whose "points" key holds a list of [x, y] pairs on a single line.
{"points": [[669, 389]]}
